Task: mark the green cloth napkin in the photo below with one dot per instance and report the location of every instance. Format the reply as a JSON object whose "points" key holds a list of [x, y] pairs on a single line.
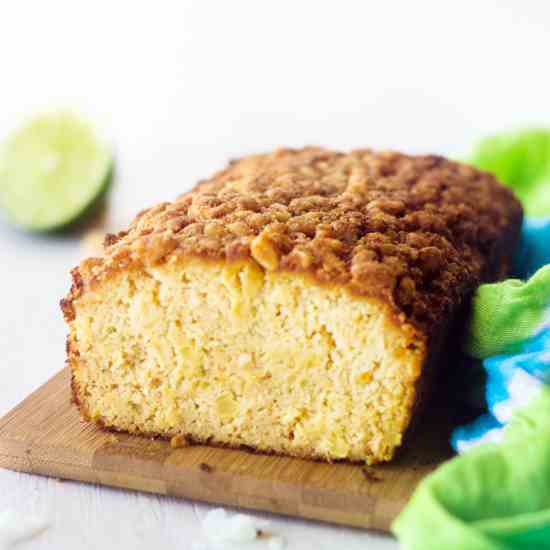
{"points": [[494, 497], [507, 313]]}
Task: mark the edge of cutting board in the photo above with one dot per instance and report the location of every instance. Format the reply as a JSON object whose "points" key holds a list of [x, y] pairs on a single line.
{"points": [[45, 435]]}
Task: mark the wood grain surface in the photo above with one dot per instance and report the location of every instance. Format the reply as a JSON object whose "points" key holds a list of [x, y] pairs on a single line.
{"points": [[45, 435]]}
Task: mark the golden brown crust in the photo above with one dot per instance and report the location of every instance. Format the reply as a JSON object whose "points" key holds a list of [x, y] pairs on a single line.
{"points": [[418, 232]]}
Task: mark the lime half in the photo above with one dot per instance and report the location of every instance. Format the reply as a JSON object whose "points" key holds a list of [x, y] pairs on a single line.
{"points": [[51, 170]]}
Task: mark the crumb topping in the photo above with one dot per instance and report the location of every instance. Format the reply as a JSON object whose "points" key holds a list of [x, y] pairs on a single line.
{"points": [[418, 231]]}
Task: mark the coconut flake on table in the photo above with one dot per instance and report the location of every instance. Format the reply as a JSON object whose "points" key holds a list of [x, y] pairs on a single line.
{"points": [[238, 529], [18, 526], [220, 527]]}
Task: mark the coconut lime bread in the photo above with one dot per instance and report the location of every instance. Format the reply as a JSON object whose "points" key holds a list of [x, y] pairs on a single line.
{"points": [[298, 302]]}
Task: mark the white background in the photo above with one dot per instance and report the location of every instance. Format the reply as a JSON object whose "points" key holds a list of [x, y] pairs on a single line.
{"points": [[180, 87]]}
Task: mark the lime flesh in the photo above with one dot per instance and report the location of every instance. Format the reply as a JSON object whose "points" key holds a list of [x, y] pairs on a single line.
{"points": [[51, 170]]}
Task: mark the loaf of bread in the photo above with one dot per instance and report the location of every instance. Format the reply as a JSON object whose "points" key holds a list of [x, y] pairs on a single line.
{"points": [[297, 302]]}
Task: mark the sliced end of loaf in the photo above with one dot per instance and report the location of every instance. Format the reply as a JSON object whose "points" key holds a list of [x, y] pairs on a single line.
{"points": [[228, 353]]}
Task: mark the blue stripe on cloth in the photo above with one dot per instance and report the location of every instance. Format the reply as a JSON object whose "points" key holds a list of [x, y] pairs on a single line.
{"points": [[474, 430], [532, 356], [534, 250]]}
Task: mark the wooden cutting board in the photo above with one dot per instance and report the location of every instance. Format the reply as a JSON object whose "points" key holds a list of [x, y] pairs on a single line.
{"points": [[44, 435]]}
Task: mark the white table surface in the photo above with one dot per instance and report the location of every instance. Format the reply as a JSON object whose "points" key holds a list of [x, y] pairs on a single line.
{"points": [[180, 87]]}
